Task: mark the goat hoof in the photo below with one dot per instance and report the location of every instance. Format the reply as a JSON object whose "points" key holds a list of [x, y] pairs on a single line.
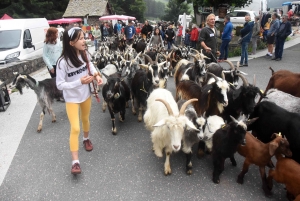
{"points": [[168, 171], [216, 181], [114, 131], [39, 130], [53, 121], [200, 153], [240, 180], [140, 119], [189, 172]]}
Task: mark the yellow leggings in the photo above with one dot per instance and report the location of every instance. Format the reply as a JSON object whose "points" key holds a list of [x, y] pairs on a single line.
{"points": [[73, 115]]}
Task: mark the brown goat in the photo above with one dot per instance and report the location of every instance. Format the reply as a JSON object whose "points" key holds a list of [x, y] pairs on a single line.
{"points": [[260, 154], [287, 171], [285, 81]]}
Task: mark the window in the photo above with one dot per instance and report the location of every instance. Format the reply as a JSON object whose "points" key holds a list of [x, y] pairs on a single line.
{"points": [[9, 39], [233, 14], [27, 39], [241, 14]]}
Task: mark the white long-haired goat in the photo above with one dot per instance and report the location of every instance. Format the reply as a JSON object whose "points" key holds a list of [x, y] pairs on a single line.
{"points": [[166, 123]]}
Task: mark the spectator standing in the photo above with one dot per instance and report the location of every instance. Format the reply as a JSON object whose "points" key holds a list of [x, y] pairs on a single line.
{"points": [[116, 28], [129, 32], [226, 38], [179, 34], [208, 39], [187, 38], [246, 34], [194, 36], [147, 30], [272, 33], [255, 34], [105, 32], [170, 36], [138, 29], [52, 50], [97, 36], [290, 13], [283, 32]]}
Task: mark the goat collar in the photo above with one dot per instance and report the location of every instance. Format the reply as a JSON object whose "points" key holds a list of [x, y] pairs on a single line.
{"points": [[144, 90]]}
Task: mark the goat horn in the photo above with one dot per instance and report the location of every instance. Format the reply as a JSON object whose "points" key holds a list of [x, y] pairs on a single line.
{"points": [[170, 111], [233, 119], [223, 75], [195, 50], [244, 79], [182, 109], [213, 75], [238, 65], [156, 59], [149, 58], [254, 80], [230, 64], [196, 59], [144, 66]]}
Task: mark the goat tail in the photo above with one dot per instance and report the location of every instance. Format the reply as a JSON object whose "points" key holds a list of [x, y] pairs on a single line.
{"points": [[272, 70]]}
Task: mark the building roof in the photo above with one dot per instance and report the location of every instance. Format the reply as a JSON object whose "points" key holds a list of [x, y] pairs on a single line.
{"points": [[80, 8]]}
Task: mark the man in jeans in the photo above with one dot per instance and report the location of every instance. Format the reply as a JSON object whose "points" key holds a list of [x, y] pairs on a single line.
{"points": [[246, 34], [226, 38], [284, 31], [97, 35]]}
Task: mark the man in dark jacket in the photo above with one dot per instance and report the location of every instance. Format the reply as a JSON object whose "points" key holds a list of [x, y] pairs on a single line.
{"points": [[170, 35], [284, 31], [246, 34], [146, 30], [208, 39]]}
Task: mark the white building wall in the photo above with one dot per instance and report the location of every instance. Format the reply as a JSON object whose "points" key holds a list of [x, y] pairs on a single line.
{"points": [[256, 5]]}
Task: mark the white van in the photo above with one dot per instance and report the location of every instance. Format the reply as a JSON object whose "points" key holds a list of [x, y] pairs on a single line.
{"points": [[22, 39]]}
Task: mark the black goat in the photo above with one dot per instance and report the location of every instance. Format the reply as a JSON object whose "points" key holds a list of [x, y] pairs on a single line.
{"points": [[116, 93], [275, 119], [139, 45], [225, 143], [144, 81], [241, 100], [45, 90]]}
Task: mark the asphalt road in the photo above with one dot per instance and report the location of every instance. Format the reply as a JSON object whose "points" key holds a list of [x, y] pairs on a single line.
{"points": [[123, 167]]}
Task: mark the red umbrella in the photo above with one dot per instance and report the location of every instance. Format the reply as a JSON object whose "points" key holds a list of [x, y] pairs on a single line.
{"points": [[64, 21], [6, 17]]}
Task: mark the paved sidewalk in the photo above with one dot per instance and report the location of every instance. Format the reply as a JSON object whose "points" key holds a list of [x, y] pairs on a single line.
{"points": [[262, 53]]}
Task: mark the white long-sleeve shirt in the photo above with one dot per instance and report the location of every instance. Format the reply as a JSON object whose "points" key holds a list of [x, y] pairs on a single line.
{"points": [[68, 80]]}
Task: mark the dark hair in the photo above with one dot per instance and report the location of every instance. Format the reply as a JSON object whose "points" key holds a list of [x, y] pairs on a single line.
{"points": [[69, 52], [154, 33], [51, 35], [276, 15], [227, 17]]}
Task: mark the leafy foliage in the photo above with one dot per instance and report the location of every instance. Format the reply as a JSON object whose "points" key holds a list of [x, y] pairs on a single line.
{"points": [[33, 8], [154, 8], [134, 8], [173, 10]]}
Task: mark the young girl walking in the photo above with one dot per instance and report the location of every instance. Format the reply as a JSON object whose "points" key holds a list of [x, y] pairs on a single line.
{"points": [[74, 73]]}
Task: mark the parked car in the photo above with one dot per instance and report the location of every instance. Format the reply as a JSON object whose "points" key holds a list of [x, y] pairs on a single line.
{"points": [[237, 17]]}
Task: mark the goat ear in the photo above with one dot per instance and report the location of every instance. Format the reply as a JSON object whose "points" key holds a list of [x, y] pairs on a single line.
{"points": [[272, 148], [160, 123], [190, 125], [250, 121]]}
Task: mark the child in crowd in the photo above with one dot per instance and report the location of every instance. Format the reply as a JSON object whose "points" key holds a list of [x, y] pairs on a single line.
{"points": [[187, 36], [74, 73]]}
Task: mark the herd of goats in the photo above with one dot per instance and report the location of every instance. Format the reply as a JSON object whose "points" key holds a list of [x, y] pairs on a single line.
{"points": [[210, 108]]}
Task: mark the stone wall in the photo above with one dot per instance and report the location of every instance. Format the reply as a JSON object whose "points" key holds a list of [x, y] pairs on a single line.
{"points": [[26, 67]]}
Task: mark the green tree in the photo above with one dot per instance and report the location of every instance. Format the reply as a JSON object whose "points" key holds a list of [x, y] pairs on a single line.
{"points": [[173, 9], [34, 8], [154, 8], [134, 8]]}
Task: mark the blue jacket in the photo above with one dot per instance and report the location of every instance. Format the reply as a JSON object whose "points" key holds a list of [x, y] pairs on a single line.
{"points": [[187, 40], [274, 27], [246, 32], [226, 35]]}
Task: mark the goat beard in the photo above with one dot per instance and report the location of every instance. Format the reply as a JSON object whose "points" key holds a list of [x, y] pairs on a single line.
{"points": [[20, 88]]}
